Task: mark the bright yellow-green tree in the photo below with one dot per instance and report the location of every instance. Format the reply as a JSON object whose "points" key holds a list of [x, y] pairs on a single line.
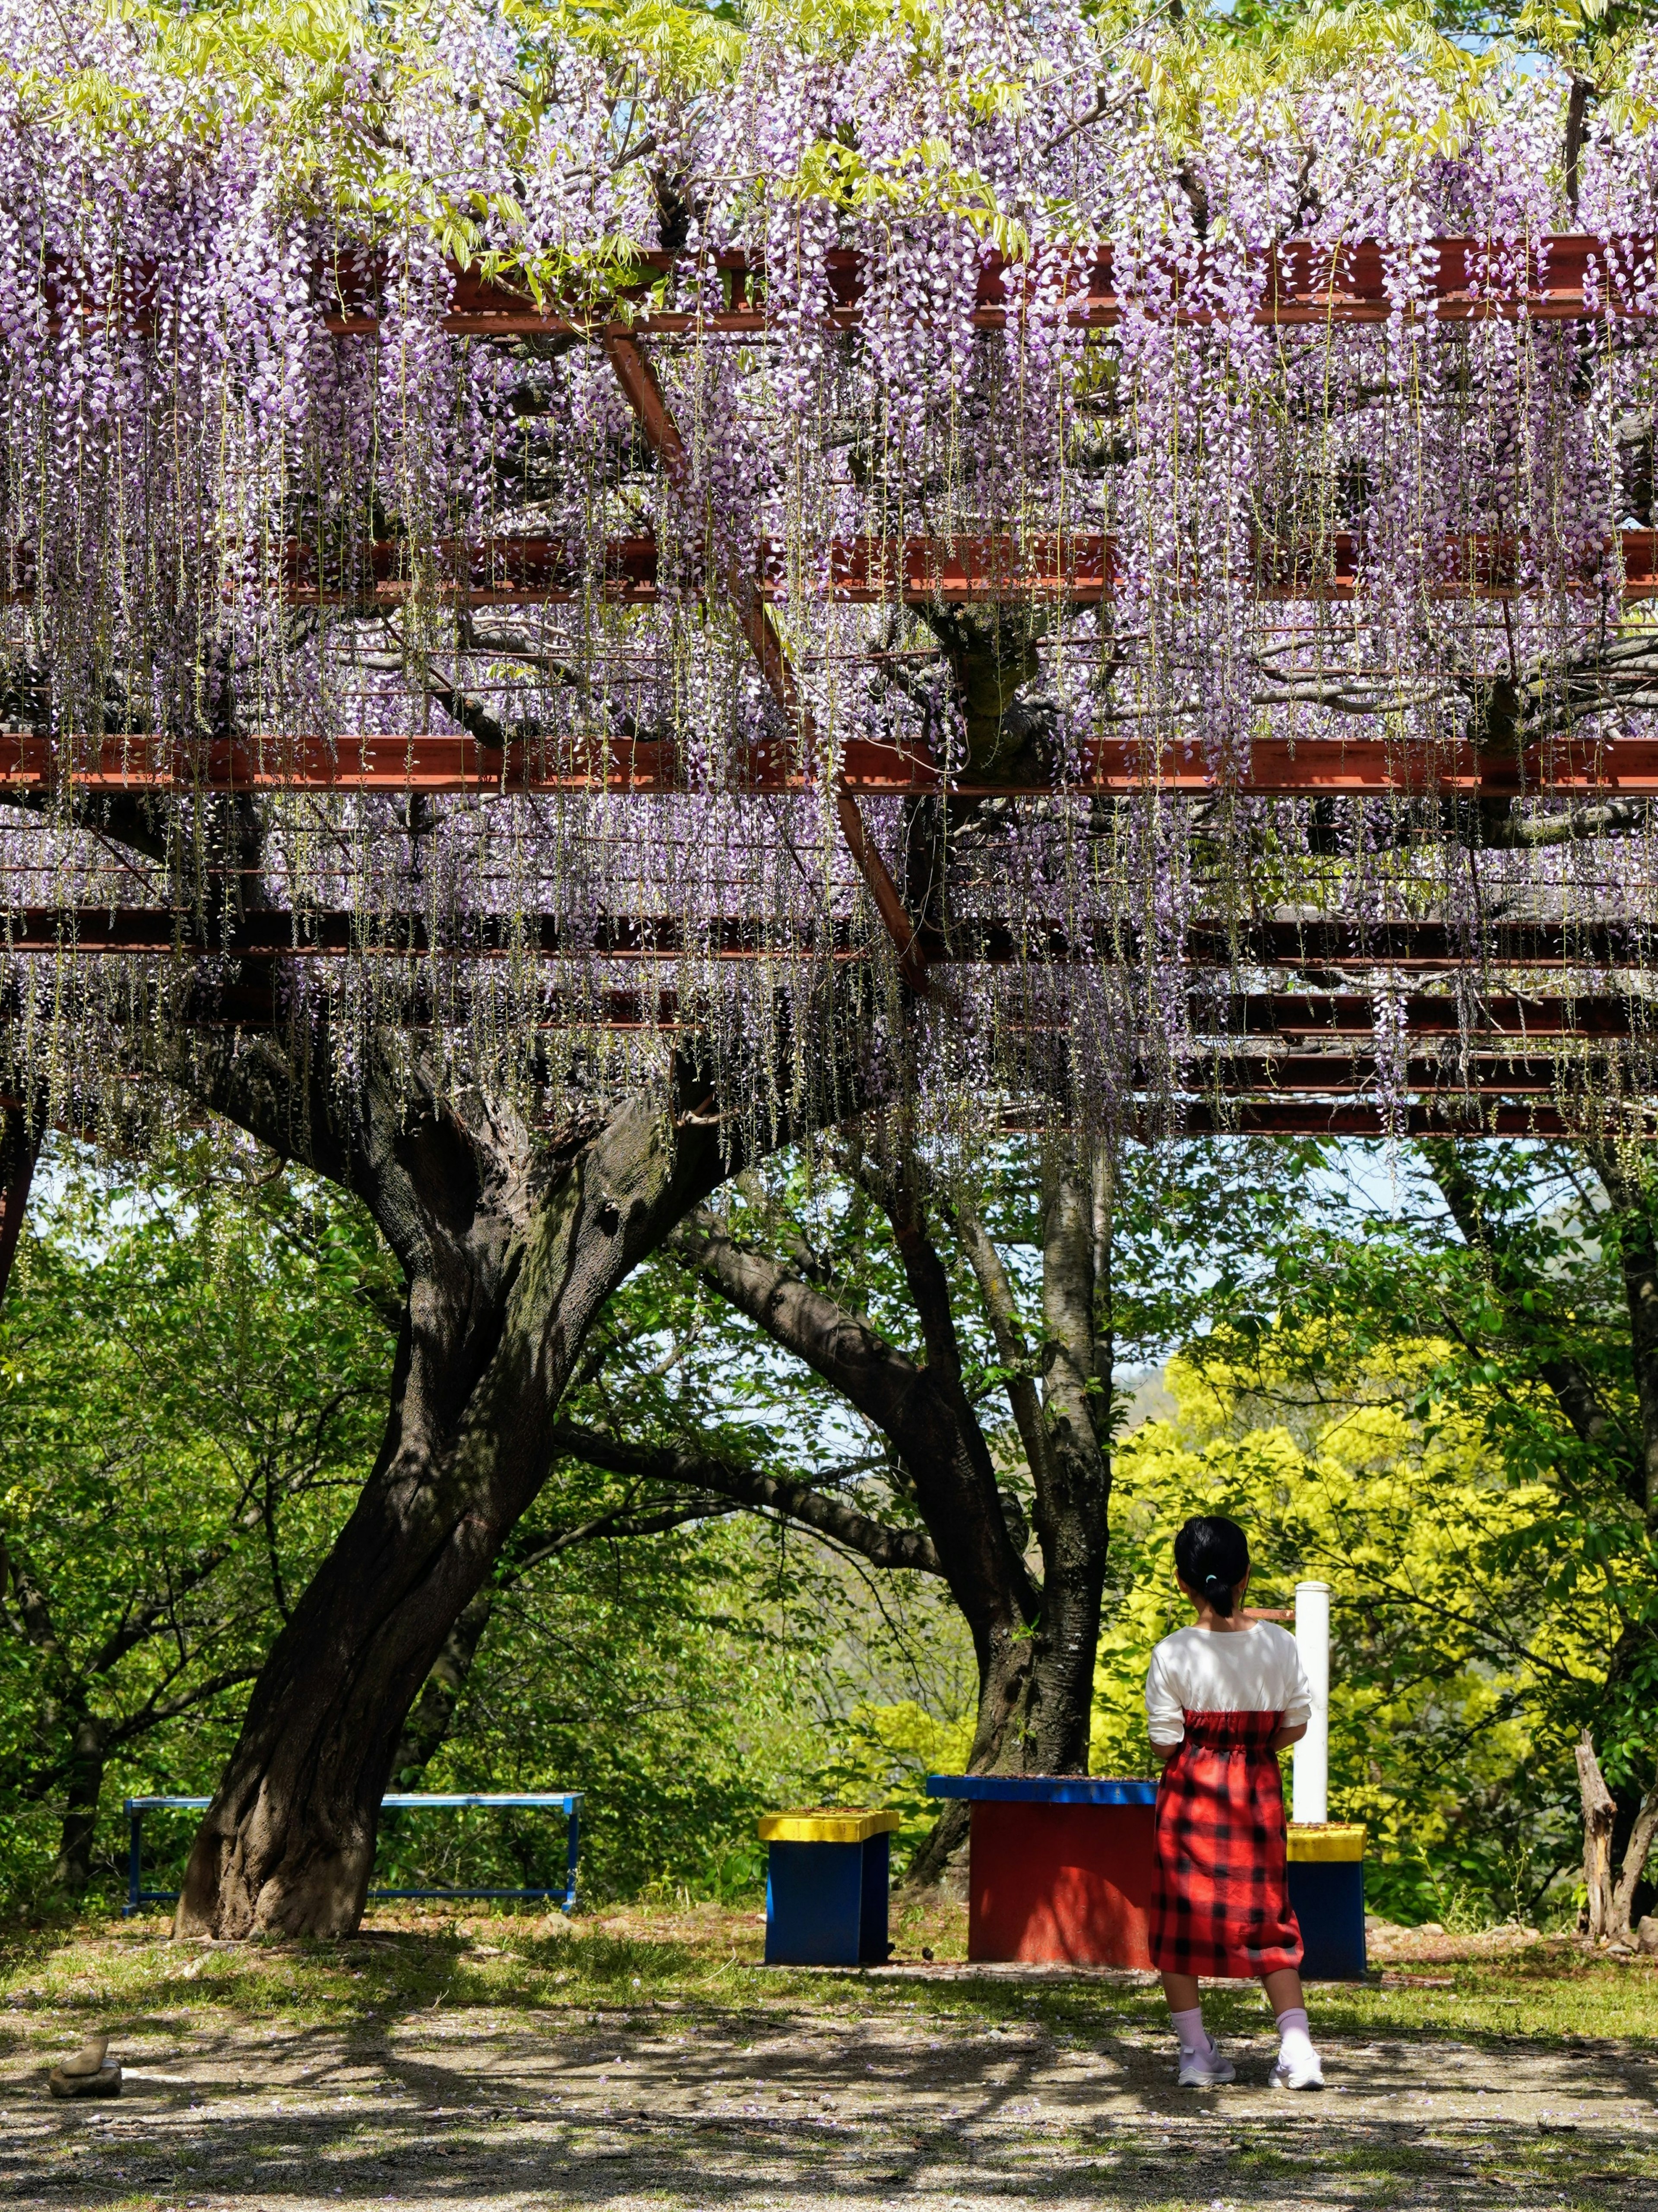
{"points": [[1459, 1665]]}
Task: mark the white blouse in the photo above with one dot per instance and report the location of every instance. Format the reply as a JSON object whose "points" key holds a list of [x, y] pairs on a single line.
{"points": [[1256, 1669]]}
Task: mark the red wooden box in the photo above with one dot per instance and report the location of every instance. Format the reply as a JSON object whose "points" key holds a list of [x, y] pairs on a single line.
{"points": [[1060, 1867]]}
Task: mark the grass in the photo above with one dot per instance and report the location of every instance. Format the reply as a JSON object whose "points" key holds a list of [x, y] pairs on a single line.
{"points": [[130, 1975]]}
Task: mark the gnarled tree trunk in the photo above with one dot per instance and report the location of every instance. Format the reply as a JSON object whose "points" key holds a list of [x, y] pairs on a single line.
{"points": [[509, 1250], [1073, 1500], [1035, 1647], [923, 1412]]}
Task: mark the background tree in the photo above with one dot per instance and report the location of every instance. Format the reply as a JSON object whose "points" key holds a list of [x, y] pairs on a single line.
{"points": [[190, 1377], [1462, 1660], [1528, 1270], [947, 1389], [739, 1611], [192, 1360]]}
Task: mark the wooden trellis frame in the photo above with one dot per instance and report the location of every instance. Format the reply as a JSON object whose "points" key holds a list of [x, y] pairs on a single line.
{"points": [[1559, 278], [1563, 278]]}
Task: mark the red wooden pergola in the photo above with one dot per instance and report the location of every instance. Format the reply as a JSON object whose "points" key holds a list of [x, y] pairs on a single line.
{"points": [[1298, 285]]}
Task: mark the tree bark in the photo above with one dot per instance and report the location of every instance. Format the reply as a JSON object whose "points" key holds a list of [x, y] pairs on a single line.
{"points": [[1035, 1650], [509, 1250], [1043, 1712], [915, 1407], [818, 1509], [1633, 1871], [1073, 1495], [1577, 116], [20, 1147], [1637, 1248], [87, 1754], [1600, 1812]]}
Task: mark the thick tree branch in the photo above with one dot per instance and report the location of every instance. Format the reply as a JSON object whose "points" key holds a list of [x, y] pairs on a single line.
{"points": [[996, 1291], [1637, 1251], [882, 1546], [914, 1408]]}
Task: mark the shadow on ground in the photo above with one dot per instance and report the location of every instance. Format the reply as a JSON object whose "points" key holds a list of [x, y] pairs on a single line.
{"points": [[690, 2103]]}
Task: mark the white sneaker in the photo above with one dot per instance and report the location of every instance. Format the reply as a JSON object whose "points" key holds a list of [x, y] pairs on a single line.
{"points": [[1302, 2070], [1202, 2069]]}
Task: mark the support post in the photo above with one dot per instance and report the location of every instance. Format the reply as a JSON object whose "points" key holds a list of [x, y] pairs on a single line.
{"points": [[134, 1860], [639, 380], [1311, 1790], [572, 1847]]}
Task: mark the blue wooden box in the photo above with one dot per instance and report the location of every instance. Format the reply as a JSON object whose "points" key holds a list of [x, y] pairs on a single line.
{"points": [[826, 1888], [1327, 1890]]}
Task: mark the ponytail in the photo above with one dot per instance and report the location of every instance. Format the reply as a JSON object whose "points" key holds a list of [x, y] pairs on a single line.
{"points": [[1219, 1594], [1211, 1556]]}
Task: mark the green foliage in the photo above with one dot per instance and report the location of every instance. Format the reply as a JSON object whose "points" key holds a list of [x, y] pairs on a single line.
{"points": [[193, 1357], [193, 1364], [1466, 1336], [671, 1679], [504, 1975], [325, 78]]}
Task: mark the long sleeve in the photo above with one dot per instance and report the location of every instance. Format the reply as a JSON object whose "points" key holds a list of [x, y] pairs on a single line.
{"points": [[1165, 1708]]}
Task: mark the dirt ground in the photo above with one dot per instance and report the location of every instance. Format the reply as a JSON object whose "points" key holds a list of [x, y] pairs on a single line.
{"points": [[651, 2062]]}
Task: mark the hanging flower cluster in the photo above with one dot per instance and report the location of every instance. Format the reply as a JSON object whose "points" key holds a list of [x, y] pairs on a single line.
{"points": [[970, 339]]}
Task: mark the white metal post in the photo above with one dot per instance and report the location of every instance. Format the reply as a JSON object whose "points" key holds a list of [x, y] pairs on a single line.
{"points": [[1311, 1791]]}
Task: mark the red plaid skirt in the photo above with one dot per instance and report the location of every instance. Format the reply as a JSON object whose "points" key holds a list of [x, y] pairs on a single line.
{"points": [[1220, 1899]]}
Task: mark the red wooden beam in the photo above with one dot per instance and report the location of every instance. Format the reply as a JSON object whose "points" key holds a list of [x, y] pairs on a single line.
{"points": [[1358, 1073], [1563, 278], [336, 932], [1216, 1070], [1352, 947], [1233, 1025], [1163, 1121], [1080, 569], [1114, 766], [1433, 1014], [1312, 1117], [989, 941]]}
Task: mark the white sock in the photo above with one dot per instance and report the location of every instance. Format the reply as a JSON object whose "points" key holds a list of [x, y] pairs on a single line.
{"points": [[1189, 2026], [1294, 2044]]}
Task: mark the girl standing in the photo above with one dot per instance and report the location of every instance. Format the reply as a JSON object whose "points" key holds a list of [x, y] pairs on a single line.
{"points": [[1223, 1696]]}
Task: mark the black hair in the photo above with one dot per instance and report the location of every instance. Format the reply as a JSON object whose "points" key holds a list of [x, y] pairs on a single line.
{"points": [[1211, 1556]]}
